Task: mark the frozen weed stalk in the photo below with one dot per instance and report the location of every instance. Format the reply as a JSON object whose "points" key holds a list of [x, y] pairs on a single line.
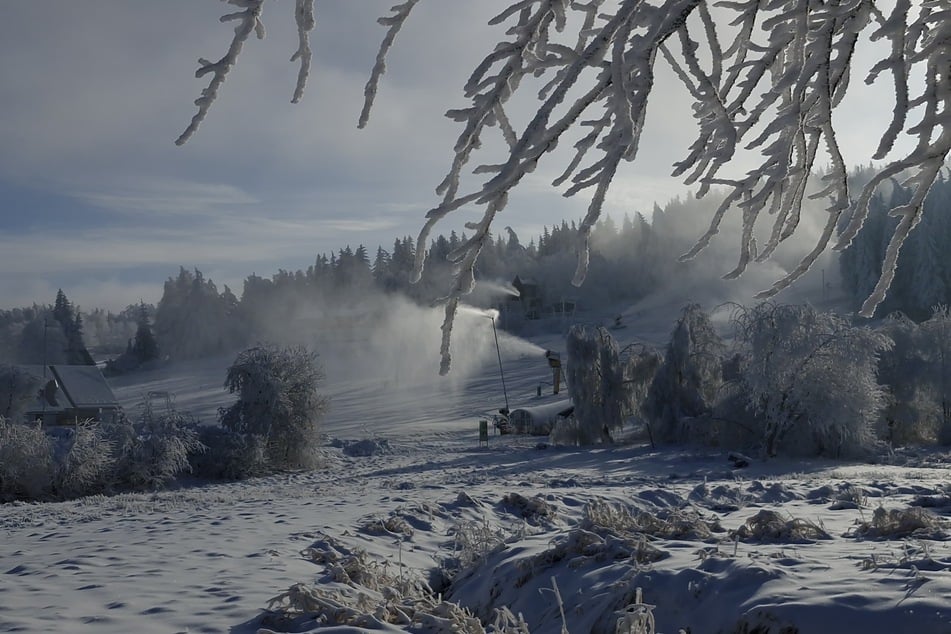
{"points": [[637, 618]]}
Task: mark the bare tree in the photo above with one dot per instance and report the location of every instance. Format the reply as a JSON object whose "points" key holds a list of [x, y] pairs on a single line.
{"points": [[765, 76]]}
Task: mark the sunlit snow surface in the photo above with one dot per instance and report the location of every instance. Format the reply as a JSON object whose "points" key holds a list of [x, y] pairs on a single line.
{"points": [[209, 558]]}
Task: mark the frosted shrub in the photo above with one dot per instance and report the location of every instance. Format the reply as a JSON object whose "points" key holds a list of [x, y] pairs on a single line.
{"points": [[904, 373], [228, 455], [810, 379], [26, 461], [86, 461], [17, 388], [937, 332], [277, 400], [640, 365], [916, 374], [595, 383], [685, 386], [154, 450]]}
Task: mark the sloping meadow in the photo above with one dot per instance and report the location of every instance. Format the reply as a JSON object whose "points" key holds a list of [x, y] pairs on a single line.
{"points": [[817, 552]]}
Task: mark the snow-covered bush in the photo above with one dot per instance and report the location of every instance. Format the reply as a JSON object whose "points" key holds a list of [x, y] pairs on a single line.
{"points": [[92, 457], [937, 340], [26, 461], [916, 374], [153, 450], [277, 400], [17, 388], [903, 372], [685, 386], [84, 460], [810, 379], [595, 383], [640, 367], [228, 455]]}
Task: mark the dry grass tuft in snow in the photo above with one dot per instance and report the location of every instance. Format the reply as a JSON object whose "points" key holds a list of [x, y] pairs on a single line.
{"points": [[393, 525], [901, 523], [532, 510], [666, 523], [368, 609], [472, 543], [770, 526], [579, 547], [914, 556], [360, 592]]}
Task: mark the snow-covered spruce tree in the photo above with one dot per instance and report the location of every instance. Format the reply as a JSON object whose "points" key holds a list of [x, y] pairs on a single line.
{"points": [[685, 386], [810, 379], [595, 379], [765, 76], [144, 346], [278, 401]]}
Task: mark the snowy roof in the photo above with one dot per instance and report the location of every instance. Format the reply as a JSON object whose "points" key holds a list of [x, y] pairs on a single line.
{"points": [[77, 387], [85, 386], [548, 411]]}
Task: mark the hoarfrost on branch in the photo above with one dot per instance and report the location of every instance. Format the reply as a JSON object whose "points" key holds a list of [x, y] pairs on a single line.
{"points": [[764, 75]]}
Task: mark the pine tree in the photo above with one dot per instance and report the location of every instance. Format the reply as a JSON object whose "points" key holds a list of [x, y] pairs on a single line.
{"points": [[144, 347]]}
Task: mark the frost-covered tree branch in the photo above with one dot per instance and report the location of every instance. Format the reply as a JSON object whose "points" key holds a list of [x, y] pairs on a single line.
{"points": [[249, 21], [765, 76]]}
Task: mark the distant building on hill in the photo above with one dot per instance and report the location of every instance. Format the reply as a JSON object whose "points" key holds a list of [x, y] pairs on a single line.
{"points": [[527, 305], [70, 394]]}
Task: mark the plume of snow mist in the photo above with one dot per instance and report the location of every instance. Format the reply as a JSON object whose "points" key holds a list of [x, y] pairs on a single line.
{"points": [[489, 288], [488, 313]]}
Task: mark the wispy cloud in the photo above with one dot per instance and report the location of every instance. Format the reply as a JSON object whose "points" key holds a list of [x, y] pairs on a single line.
{"points": [[168, 197]]}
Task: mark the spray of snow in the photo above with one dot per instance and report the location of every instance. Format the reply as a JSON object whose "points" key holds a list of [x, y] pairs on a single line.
{"points": [[498, 288]]}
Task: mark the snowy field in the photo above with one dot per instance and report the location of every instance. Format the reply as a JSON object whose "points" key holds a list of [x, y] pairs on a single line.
{"points": [[565, 537]]}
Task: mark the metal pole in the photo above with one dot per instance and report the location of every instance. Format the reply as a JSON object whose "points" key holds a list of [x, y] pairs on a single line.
{"points": [[45, 325], [43, 393], [501, 373]]}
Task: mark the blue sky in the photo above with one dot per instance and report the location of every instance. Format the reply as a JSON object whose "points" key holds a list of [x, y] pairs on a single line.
{"points": [[96, 199]]}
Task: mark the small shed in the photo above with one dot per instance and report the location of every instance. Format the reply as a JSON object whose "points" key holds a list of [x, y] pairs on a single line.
{"points": [[71, 393], [540, 419]]}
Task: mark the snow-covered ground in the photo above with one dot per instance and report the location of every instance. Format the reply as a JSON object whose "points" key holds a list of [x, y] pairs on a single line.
{"points": [[518, 517]]}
